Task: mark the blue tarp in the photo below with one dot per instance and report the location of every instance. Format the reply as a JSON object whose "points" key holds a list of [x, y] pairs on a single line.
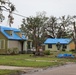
{"points": [[56, 40], [65, 55]]}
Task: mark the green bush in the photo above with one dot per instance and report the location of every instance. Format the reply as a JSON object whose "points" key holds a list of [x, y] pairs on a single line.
{"points": [[12, 51], [72, 50], [63, 49], [15, 51], [9, 50], [47, 52]]}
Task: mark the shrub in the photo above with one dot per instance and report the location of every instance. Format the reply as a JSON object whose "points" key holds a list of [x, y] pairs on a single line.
{"points": [[9, 50], [47, 52], [15, 51], [12, 51], [72, 50], [22, 52], [63, 49]]}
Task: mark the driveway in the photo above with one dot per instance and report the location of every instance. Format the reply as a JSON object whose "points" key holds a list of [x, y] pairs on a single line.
{"points": [[69, 69]]}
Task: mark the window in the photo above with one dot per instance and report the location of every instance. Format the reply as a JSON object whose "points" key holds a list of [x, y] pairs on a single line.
{"points": [[2, 44], [49, 45], [19, 34], [9, 32], [64, 46]]}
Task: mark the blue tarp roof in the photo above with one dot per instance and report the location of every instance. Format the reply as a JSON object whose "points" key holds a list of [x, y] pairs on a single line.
{"points": [[56, 40], [14, 36], [65, 56]]}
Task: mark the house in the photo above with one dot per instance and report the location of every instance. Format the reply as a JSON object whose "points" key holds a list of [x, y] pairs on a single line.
{"points": [[12, 38], [65, 44]]}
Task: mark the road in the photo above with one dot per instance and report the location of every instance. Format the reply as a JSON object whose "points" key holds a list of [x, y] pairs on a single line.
{"points": [[69, 69]]}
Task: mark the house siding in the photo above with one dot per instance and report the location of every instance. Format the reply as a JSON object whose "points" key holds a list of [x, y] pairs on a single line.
{"points": [[9, 39], [68, 48], [14, 44], [54, 48], [3, 51], [64, 41], [17, 44], [72, 46]]}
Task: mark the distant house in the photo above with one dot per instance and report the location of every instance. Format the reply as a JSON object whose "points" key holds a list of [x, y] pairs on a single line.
{"points": [[66, 44], [12, 38]]}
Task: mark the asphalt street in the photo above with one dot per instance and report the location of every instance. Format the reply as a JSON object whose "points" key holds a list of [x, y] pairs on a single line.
{"points": [[69, 69]]}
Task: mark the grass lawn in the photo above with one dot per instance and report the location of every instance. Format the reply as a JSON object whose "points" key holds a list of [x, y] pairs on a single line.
{"points": [[26, 60], [22, 60], [8, 72]]}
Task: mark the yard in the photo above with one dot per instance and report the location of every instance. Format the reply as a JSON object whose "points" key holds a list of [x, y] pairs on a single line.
{"points": [[7, 72], [28, 60]]}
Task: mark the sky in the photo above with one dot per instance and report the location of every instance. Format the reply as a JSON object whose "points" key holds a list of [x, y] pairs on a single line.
{"points": [[31, 7]]}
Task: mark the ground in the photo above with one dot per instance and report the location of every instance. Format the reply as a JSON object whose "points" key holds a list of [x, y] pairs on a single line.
{"points": [[68, 69], [22, 69], [24, 63]]}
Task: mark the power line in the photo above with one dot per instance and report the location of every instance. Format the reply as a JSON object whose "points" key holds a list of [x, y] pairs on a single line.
{"points": [[12, 13], [19, 15], [16, 14]]}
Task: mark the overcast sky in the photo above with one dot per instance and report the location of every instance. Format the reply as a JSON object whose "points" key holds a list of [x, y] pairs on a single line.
{"points": [[51, 7]]}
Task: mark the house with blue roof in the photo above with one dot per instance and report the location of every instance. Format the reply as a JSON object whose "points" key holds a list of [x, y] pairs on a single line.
{"points": [[12, 38], [65, 44]]}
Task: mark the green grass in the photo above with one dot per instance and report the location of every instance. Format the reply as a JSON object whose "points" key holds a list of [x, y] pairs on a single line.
{"points": [[22, 60], [25, 60], [7, 72]]}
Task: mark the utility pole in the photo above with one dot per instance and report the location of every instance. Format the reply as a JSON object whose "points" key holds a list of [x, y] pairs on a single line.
{"points": [[74, 35]]}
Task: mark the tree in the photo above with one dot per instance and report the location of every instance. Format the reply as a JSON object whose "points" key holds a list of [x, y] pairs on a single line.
{"points": [[52, 26], [57, 27], [33, 27], [74, 34], [73, 29], [5, 4], [63, 24]]}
